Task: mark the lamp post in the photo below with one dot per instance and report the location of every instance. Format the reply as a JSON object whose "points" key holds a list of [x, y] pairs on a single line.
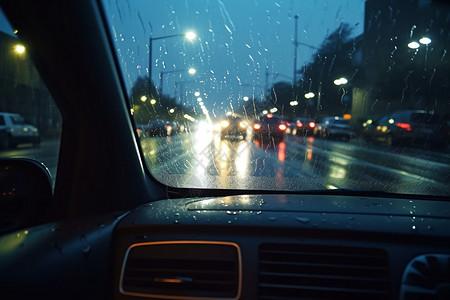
{"points": [[191, 71], [189, 35]]}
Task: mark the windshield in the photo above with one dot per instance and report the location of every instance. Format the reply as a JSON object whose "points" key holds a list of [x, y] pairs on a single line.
{"points": [[196, 63]]}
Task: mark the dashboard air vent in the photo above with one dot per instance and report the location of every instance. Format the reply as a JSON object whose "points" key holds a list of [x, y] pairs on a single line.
{"points": [[427, 277], [289, 271], [182, 270]]}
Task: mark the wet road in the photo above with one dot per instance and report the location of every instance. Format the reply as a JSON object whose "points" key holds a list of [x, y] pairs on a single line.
{"points": [[201, 159]]}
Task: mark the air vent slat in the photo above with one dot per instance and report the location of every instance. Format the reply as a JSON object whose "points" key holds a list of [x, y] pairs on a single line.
{"points": [[326, 289], [311, 271], [182, 269], [356, 267], [299, 275]]}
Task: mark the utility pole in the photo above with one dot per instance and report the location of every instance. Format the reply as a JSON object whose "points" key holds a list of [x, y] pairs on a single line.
{"points": [[295, 51]]}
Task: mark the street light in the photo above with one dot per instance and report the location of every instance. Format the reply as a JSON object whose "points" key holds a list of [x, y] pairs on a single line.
{"points": [[423, 40], [20, 49], [311, 94], [153, 102], [191, 71], [413, 45], [246, 98], [341, 81], [190, 35], [144, 98]]}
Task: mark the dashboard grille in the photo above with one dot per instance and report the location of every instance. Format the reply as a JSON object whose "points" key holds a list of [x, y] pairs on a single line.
{"points": [[182, 270], [289, 271]]}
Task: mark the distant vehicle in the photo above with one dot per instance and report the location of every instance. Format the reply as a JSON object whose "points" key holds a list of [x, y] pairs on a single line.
{"points": [[159, 128], [334, 128], [269, 127], [14, 131], [304, 126], [234, 127], [408, 127], [141, 130]]}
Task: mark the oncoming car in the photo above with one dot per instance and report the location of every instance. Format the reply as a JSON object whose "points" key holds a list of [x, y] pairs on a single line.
{"points": [[96, 212], [234, 127]]}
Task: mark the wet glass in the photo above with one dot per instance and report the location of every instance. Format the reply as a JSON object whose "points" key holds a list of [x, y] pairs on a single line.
{"points": [[194, 64], [30, 122]]}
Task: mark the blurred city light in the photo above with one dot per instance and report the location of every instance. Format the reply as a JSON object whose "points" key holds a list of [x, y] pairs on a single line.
{"points": [[190, 35], [273, 110], [196, 94], [312, 95], [425, 40], [192, 71], [413, 45], [265, 112], [144, 98], [153, 102], [20, 49], [246, 98], [341, 81]]}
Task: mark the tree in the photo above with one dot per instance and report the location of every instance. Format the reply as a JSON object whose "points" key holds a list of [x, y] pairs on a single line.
{"points": [[147, 104]]}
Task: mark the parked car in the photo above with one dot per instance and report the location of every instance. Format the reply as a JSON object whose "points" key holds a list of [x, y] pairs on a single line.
{"points": [[14, 131], [269, 127], [234, 127], [304, 126], [408, 127], [334, 128]]}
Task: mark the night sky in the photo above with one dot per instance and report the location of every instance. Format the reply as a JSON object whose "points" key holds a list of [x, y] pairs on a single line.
{"points": [[237, 42]]}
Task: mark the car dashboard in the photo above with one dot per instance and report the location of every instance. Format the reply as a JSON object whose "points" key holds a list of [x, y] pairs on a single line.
{"points": [[238, 247], [283, 247]]}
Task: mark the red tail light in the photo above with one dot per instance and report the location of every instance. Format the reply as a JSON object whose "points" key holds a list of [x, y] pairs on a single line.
{"points": [[312, 124], [269, 116], [405, 126], [299, 124], [257, 126], [282, 127]]}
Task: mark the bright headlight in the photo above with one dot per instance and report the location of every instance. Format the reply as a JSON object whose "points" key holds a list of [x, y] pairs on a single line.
{"points": [[243, 124], [224, 124]]}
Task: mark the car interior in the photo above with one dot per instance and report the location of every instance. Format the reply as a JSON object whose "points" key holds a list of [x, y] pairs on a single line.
{"points": [[105, 228]]}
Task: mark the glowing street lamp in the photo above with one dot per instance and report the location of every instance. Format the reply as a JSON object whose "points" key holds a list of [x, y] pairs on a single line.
{"points": [[20, 49], [312, 95], [413, 45], [246, 98], [341, 81], [153, 102], [425, 40], [144, 98], [191, 71], [190, 35]]}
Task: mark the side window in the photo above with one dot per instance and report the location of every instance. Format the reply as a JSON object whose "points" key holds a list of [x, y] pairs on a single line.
{"points": [[25, 100]]}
